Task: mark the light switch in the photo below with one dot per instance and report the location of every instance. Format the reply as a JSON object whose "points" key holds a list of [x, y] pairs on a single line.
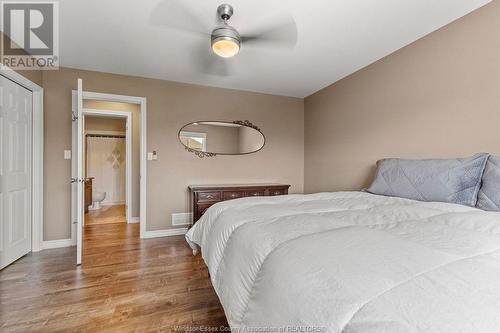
{"points": [[150, 156], [155, 155], [67, 154]]}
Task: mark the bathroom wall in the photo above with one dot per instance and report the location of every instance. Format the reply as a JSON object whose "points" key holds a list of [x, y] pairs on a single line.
{"points": [[105, 124], [106, 162]]}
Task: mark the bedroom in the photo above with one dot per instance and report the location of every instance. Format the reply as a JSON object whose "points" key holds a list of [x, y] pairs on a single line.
{"points": [[345, 85]]}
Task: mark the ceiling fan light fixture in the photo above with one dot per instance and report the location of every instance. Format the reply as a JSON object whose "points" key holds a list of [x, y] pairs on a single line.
{"points": [[226, 41], [225, 47]]}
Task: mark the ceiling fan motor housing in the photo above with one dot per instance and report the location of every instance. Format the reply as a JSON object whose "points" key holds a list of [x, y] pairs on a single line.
{"points": [[225, 11]]}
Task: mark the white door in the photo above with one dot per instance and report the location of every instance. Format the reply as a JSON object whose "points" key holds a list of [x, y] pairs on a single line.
{"points": [[77, 178], [15, 171]]}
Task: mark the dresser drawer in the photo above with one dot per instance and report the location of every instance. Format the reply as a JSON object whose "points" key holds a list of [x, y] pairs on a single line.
{"points": [[202, 208], [273, 192], [233, 195], [255, 193], [209, 196]]}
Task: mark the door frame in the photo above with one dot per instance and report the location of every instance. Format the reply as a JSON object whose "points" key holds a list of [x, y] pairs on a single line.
{"points": [[37, 155], [142, 102], [128, 147]]}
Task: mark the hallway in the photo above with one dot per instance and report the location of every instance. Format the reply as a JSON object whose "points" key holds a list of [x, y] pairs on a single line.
{"points": [[125, 284]]}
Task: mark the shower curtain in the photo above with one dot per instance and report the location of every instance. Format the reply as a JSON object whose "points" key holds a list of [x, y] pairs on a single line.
{"points": [[106, 163]]}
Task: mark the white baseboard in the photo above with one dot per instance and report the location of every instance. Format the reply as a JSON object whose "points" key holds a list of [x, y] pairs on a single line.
{"points": [[134, 220], [165, 233], [58, 243], [112, 203]]}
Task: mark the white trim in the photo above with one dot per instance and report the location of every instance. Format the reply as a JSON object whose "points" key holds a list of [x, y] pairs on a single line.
{"points": [[134, 219], [18, 78], [113, 203], [58, 243], [165, 233], [37, 158], [128, 146], [142, 102]]}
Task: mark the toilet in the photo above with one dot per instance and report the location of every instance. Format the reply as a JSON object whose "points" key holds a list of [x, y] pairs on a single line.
{"points": [[97, 198]]}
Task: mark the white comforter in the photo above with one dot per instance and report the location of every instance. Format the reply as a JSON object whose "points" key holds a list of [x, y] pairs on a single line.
{"points": [[352, 262]]}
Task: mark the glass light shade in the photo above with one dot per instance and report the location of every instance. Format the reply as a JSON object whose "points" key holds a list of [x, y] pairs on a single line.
{"points": [[226, 48]]}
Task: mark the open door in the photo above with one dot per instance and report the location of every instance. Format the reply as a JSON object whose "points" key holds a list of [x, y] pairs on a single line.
{"points": [[78, 179]]}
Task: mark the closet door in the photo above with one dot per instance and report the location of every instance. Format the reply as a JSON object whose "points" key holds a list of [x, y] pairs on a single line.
{"points": [[15, 171]]}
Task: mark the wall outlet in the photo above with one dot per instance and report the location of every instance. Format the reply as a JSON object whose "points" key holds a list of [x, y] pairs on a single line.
{"points": [[182, 219]]}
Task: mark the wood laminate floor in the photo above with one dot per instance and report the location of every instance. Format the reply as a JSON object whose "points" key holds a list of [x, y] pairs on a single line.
{"points": [[124, 285], [106, 215]]}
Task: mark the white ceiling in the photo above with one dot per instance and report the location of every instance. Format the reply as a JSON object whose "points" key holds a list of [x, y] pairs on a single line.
{"points": [[335, 39]]}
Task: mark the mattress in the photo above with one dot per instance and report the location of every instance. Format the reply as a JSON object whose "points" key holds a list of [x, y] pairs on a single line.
{"points": [[352, 262]]}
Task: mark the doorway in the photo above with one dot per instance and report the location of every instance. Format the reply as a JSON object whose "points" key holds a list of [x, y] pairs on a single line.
{"points": [[87, 104], [111, 181]]}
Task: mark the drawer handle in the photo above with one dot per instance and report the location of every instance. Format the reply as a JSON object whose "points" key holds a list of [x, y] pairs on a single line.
{"points": [[209, 196], [277, 193], [234, 195], [255, 194]]}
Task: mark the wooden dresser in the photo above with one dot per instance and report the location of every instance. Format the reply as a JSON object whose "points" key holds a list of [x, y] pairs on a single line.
{"points": [[204, 196]]}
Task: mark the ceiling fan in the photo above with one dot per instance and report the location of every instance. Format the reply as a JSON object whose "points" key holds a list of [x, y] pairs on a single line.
{"points": [[225, 40]]}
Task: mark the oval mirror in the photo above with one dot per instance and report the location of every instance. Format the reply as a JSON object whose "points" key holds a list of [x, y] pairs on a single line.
{"points": [[211, 138]]}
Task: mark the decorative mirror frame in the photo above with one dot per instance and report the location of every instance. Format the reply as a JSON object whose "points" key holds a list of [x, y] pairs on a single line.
{"points": [[202, 154]]}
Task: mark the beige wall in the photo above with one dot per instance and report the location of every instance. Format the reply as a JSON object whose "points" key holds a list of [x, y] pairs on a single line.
{"points": [[134, 109], [169, 107], [105, 124], [439, 97]]}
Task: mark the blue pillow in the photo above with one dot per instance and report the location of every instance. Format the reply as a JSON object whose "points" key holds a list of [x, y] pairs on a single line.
{"points": [[489, 194], [443, 180]]}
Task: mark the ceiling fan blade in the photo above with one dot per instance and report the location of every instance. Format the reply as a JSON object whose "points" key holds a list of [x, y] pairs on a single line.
{"points": [[176, 15], [209, 63], [281, 33]]}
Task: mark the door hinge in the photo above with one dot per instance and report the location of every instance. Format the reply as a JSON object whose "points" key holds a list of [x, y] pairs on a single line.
{"points": [[74, 116]]}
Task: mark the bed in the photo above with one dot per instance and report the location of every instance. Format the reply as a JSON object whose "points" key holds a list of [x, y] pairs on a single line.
{"points": [[352, 262]]}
